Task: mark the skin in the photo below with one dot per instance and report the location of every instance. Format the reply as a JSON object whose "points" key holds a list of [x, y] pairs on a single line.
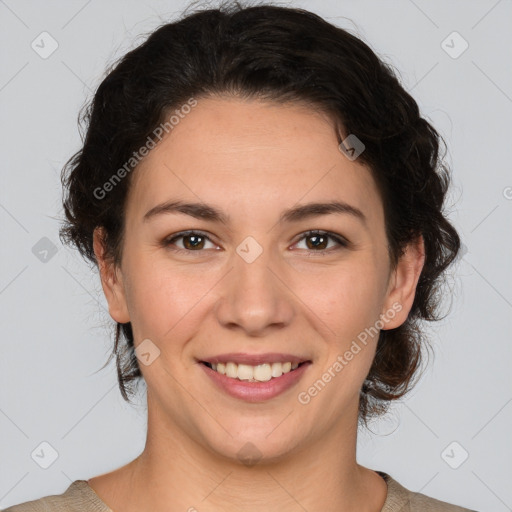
{"points": [[252, 160]]}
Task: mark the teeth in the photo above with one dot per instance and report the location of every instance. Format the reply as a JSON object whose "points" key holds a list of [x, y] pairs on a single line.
{"points": [[277, 369], [259, 373], [245, 372], [262, 372], [231, 370]]}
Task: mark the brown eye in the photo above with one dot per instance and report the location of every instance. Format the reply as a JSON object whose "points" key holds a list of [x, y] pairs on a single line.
{"points": [[318, 241], [192, 241]]}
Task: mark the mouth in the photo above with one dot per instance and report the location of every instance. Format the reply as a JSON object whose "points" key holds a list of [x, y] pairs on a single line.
{"points": [[263, 372], [269, 375]]}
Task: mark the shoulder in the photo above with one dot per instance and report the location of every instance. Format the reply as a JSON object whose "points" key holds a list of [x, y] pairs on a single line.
{"points": [[78, 497], [400, 499]]}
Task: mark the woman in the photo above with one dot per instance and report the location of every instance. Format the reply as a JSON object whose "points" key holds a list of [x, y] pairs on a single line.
{"points": [[264, 204]]}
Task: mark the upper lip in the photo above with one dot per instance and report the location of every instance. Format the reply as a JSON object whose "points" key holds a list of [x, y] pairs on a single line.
{"points": [[254, 359]]}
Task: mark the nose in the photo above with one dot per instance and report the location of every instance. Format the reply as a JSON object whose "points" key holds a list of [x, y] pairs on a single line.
{"points": [[255, 298]]}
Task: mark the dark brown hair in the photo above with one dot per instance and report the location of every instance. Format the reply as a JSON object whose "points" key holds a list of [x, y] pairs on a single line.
{"points": [[278, 54]]}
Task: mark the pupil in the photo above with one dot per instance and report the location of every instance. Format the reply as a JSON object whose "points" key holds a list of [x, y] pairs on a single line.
{"points": [[317, 237], [192, 245]]}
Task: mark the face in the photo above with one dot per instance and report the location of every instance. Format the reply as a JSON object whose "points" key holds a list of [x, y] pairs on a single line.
{"points": [[247, 282]]}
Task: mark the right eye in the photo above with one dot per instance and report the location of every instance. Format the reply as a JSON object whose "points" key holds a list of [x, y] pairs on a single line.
{"points": [[193, 241]]}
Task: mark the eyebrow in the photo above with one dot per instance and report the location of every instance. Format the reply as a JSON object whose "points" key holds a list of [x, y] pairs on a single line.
{"points": [[295, 214]]}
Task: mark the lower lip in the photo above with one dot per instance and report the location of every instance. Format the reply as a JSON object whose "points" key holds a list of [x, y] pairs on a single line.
{"points": [[256, 391]]}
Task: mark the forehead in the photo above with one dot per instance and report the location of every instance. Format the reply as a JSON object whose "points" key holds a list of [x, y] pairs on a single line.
{"points": [[252, 156]]}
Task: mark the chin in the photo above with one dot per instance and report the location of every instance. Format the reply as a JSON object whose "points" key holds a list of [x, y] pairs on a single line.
{"points": [[251, 446]]}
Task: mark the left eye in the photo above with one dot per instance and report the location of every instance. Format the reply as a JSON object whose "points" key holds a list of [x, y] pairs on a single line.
{"points": [[319, 239]]}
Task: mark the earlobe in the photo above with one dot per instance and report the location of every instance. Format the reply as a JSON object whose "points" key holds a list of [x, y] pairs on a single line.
{"points": [[111, 280], [403, 282]]}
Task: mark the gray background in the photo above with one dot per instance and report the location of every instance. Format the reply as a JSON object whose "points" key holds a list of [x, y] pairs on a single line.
{"points": [[56, 332]]}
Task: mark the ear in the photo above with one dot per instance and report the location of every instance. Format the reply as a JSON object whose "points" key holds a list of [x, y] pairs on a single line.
{"points": [[111, 280], [402, 284]]}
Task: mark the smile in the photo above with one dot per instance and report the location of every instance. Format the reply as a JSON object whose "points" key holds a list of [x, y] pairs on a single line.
{"points": [[255, 383], [259, 373]]}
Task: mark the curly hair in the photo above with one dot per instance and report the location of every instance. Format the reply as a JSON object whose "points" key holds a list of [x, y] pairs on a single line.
{"points": [[284, 55]]}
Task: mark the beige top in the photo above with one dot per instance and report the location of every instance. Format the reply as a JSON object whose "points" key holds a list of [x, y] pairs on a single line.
{"points": [[80, 497]]}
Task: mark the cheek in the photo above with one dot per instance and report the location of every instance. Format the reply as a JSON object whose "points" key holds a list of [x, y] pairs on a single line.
{"points": [[347, 299], [350, 306], [159, 297]]}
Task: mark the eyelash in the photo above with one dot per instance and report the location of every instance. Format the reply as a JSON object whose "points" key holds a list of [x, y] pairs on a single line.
{"points": [[343, 243]]}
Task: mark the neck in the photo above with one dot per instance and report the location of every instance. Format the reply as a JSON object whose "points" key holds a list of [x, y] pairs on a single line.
{"points": [[176, 472]]}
